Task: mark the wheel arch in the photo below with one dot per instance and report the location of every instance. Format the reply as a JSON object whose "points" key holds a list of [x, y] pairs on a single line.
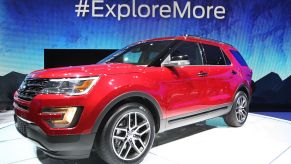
{"points": [[139, 97], [244, 89]]}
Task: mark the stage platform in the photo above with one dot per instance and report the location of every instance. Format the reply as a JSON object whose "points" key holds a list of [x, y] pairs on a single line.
{"points": [[262, 140]]}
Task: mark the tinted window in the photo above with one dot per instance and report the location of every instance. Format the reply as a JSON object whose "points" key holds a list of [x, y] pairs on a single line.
{"points": [[227, 61], [214, 55], [239, 58], [139, 54], [191, 50]]}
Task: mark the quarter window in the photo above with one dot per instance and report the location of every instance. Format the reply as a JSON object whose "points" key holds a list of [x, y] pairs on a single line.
{"points": [[214, 55], [239, 58], [227, 61]]}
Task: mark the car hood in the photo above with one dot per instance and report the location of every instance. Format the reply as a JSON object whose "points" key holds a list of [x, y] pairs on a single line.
{"points": [[86, 71]]}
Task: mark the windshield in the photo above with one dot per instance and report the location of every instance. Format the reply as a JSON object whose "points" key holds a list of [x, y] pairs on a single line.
{"points": [[138, 54]]}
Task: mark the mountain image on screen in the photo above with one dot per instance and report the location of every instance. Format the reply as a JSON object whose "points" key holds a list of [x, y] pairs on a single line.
{"points": [[271, 89]]}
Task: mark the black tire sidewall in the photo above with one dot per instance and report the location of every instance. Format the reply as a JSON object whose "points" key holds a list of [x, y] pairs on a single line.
{"points": [[105, 149], [230, 118]]}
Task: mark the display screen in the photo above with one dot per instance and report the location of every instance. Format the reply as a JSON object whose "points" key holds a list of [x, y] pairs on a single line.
{"points": [[144, 81], [259, 29]]}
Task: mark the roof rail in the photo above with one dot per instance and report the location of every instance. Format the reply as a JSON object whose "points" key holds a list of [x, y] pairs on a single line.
{"points": [[198, 37]]}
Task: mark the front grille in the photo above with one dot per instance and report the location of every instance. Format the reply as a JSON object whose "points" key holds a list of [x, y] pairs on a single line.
{"points": [[30, 88], [20, 106]]}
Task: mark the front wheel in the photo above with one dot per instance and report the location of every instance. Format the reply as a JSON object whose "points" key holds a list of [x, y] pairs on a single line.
{"points": [[128, 135], [239, 112]]}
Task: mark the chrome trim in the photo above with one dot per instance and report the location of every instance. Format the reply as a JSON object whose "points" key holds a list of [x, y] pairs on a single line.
{"points": [[194, 117], [25, 120]]}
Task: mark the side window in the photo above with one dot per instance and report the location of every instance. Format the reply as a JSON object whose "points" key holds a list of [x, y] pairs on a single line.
{"points": [[239, 58], [131, 57], [140, 54], [214, 55], [190, 49], [227, 61]]}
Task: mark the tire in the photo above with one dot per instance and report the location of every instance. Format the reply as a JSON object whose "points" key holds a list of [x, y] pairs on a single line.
{"points": [[239, 111], [131, 142]]}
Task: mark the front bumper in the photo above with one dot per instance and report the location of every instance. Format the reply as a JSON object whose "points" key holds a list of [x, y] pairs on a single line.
{"points": [[32, 111], [63, 147]]}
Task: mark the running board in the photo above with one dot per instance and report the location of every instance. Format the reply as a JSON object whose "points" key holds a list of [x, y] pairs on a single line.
{"points": [[197, 117]]}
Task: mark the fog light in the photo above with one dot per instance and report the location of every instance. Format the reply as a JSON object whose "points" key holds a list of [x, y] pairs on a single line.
{"points": [[68, 116]]}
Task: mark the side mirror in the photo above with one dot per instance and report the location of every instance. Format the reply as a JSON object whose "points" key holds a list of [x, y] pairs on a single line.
{"points": [[176, 60]]}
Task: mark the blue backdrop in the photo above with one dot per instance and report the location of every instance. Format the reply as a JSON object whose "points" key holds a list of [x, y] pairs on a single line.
{"points": [[260, 29]]}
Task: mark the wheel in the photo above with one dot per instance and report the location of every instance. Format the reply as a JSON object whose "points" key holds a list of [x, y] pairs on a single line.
{"points": [[128, 135], [239, 112]]}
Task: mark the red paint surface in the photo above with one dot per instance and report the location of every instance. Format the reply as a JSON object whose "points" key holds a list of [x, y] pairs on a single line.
{"points": [[178, 91]]}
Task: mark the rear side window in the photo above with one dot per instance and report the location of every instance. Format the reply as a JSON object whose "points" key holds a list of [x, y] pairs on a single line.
{"points": [[214, 55], [239, 58], [227, 61]]}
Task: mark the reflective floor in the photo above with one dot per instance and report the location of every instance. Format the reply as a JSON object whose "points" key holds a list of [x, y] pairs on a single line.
{"points": [[261, 140]]}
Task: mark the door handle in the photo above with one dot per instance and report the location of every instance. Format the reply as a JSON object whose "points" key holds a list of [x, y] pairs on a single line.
{"points": [[233, 72], [202, 74]]}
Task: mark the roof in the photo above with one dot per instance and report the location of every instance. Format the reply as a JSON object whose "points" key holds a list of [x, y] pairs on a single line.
{"points": [[191, 37]]}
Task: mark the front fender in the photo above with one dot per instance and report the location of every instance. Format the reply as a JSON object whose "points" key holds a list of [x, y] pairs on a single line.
{"points": [[124, 96]]}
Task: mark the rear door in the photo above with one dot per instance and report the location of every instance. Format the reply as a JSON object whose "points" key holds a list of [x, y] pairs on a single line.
{"points": [[220, 78]]}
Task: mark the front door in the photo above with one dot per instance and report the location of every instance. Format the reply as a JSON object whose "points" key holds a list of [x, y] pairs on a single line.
{"points": [[185, 87]]}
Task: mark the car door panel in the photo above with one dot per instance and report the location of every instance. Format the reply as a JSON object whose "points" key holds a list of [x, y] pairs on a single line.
{"points": [[222, 78], [220, 88], [184, 90]]}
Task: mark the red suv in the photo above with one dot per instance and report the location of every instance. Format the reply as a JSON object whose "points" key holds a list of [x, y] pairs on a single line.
{"points": [[118, 105]]}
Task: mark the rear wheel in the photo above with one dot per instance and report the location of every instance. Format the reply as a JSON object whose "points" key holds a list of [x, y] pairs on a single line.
{"points": [[128, 135], [239, 112]]}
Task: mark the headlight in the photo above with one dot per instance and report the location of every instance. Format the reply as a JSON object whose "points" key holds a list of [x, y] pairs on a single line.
{"points": [[76, 86], [68, 116]]}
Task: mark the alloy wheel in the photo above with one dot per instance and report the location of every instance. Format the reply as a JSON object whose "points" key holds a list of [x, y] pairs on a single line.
{"points": [[241, 109], [131, 136]]}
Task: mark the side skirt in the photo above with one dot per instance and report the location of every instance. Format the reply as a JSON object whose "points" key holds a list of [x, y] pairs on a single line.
{"points": [[197, 116]]}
